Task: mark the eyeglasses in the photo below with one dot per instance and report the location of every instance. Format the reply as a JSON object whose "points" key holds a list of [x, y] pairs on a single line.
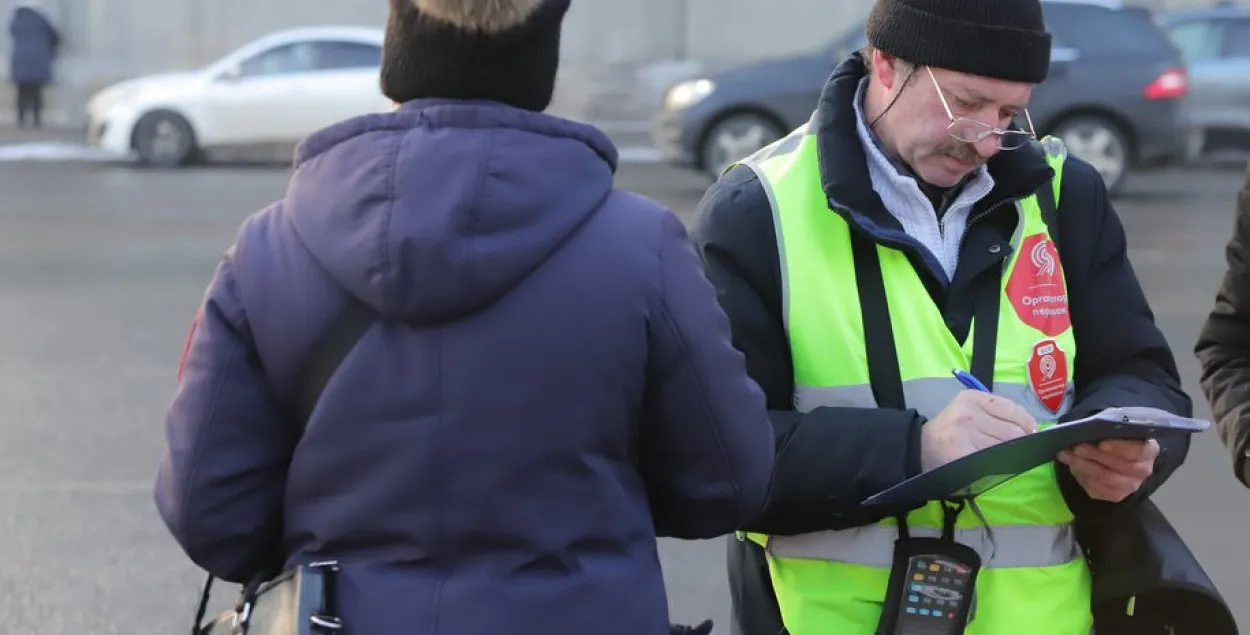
{"points": [[973, 131]]}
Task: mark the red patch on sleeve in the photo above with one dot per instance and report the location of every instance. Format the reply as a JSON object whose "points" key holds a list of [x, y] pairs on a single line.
{"points": [[186, 347]]}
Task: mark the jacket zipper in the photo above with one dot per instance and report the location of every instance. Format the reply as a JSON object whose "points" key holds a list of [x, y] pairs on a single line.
{"points": [[983, 214], [942, 225]]}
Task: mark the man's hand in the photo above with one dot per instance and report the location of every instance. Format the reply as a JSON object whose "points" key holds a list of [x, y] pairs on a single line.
{"points": [[1113, 469], [972, 421]]}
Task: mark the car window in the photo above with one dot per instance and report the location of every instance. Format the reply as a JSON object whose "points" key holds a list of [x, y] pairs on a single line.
{"points": [[1237, 40], [1092, 28], [341, 55], [297, 57], [1198, 40]]}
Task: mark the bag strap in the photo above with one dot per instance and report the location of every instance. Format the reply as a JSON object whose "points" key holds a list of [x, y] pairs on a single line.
{"points": [[985, 340], [985, 322], [326, 357], [884, 374]]}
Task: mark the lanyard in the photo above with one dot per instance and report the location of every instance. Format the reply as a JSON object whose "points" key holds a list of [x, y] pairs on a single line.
{"points": [[883, 366]]}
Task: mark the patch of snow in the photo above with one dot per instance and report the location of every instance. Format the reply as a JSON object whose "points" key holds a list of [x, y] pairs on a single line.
{"points": [[55, 151], [638, 154], [624, 126]]}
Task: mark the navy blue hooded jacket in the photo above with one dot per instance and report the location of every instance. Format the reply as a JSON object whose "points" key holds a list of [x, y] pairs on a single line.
{"points": [[551, 384], [34, 44]]}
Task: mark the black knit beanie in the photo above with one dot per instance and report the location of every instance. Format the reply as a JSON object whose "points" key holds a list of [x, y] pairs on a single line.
{"points": [[1003, 39], [502, 50]]}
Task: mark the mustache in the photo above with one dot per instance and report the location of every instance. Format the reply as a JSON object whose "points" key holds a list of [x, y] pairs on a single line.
{"points": [[963, 152]]}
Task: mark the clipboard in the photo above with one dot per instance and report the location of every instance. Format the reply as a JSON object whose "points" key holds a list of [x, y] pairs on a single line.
{"points": [[981, 471]]}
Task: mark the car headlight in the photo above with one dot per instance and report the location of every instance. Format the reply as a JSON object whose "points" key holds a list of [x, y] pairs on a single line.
{"points": [[107, 98], [688, 93]]}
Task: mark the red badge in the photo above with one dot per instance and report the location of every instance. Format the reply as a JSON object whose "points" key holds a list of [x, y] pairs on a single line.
{"points": [[1048, 374], [1035, 288], [186, 348]]}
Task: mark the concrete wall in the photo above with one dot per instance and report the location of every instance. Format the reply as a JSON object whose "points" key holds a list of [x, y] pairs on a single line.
{"points": [[618, 56]]}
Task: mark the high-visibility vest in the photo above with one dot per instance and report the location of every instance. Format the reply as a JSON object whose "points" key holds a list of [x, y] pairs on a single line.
{"points": [[1034, 579]]}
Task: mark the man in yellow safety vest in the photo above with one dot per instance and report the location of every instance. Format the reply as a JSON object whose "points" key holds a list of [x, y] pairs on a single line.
{"points": [[917, 225]]}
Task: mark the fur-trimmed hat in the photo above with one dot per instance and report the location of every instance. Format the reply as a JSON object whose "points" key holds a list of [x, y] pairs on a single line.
{"points": [[500, 50]]}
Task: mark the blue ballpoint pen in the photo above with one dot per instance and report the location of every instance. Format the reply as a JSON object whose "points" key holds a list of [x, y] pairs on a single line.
{"points": [[969, 382]]}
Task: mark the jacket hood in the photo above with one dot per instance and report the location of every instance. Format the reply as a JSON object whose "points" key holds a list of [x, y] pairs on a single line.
{"points": [[26, 19], [438, 209]]}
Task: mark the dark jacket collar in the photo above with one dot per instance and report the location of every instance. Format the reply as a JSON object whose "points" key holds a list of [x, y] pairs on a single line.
{"points": [[844, 165]]}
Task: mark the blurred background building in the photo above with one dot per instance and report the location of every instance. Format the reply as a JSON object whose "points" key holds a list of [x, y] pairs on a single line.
{"points": [[619, 56]]}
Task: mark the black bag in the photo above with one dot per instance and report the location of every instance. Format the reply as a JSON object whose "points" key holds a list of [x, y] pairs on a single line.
{"points": [[1147, 581], [299, 601]]}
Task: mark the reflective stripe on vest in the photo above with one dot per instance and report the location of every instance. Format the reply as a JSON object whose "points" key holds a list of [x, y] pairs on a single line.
{"points": [[926, 395], [873, 545], [1034, 581]]}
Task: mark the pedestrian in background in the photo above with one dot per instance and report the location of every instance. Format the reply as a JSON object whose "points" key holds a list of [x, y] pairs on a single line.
{"points": [[1223, 347], [34, 45], [548, 382]]}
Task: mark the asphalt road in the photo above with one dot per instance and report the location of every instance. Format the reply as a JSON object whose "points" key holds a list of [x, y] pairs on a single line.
{"points": [[101, 268]]}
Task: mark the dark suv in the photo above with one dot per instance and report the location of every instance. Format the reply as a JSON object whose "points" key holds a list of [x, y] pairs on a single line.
{"points": [[1116, 94]]}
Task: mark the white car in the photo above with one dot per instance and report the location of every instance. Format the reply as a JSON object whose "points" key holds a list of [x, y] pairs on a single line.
{"points": [[272, 92]]}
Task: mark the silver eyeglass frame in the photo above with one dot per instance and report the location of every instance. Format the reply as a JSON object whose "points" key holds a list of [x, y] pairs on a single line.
{"points": [[979, 131]]}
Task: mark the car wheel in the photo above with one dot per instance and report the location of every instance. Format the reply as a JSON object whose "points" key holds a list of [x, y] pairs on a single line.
{"points": [[164, 139], [1102, 144], [734, 138]]}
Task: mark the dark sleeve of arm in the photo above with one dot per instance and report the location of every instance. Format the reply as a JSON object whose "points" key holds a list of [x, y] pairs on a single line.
{"points": [[1223, 347], [707, 450], [829, 459], [220, 485], [1122, 358]]}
